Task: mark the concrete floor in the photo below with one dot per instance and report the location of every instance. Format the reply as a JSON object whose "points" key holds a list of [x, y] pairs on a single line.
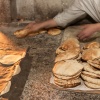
{"points": [[33, 83]]}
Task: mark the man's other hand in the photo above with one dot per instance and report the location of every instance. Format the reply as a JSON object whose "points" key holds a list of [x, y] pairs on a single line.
{"points": [[88, 30]]}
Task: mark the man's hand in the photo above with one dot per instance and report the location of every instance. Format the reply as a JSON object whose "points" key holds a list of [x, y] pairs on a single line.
{"points": [[88, 30], [30, 25], [34, 27]]}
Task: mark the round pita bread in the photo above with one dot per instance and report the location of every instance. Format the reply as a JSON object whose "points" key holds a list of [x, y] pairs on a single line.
{"points": [[67, 68], [54, 31], [91, 54], [67, 83], [17, 70], [69, 54], [70, 43], [67, 77], [91, 85], [10, 59], [92, 75], [92, 45], [91, 80], [94, 63], [21, 33], [6, 89], [91, 69]]}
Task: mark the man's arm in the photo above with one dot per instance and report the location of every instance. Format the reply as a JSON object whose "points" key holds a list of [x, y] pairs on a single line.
{"points": [[62, 19], [33, 27]]}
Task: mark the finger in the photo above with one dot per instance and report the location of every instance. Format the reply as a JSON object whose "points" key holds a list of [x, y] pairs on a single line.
{"points": [[80, 34], [84, 37]]}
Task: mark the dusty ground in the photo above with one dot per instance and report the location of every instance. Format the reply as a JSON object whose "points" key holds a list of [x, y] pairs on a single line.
{"points": [[33, 81]]}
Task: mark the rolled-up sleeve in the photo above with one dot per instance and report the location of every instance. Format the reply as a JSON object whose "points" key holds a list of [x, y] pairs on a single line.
{"points": [[69, 15]]}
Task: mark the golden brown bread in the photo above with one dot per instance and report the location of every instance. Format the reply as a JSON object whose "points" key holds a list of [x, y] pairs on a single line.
{"points": [[92, 45], [91, 85], [91, 54], [68, 54], [54, 31], [67, 68], [91, 69], [95, 63], [91, 80], [90, 74], [67, 83], [21, 33], [69, 44], [67, 77]]}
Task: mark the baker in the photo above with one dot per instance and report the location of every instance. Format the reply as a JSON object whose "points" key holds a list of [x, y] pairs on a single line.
{"points": [[76, 10]]}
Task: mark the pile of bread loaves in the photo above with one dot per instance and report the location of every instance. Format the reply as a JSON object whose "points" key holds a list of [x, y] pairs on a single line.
{"points": [[91, 73], [22, 33], [9, 67], [73, 63]]}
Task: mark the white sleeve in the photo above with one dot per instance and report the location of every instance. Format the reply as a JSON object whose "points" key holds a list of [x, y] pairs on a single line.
{"points": [[70, 14]]}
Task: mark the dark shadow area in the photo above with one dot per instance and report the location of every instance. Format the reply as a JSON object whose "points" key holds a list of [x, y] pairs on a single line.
{"points": [[18, 81]]}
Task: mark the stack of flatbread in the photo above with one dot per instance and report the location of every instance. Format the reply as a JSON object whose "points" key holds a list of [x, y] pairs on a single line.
{"points": [[69, 49], [91, 73], [67, 69], [67, 73], [9, 66], [10, 58]]}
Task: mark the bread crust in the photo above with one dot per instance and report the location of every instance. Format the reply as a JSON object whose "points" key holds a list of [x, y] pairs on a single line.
{"points": [[92, 45], [67, 68], [54, 31], [67, 83], [91, 85]]}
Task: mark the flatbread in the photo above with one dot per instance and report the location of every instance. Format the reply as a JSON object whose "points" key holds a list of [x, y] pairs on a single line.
{"points": [[67, 68], [91, 54], [94, 63], [21, 33], [69, 44], [92, 75], [91, 80], [91, 85], [10, 57], [91, 69], [69, 54], [92, 45], [54, 31], [67, 77], [67, 83], [17, 69], [5, 87]]}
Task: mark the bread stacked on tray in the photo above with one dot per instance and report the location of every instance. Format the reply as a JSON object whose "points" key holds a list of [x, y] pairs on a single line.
{"points": [[9, 67], [67, 73], [91, 73], [10, 58], [67, 69]]}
